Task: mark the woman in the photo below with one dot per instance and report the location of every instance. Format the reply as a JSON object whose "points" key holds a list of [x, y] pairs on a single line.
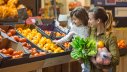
{"points": [[101, 29]]}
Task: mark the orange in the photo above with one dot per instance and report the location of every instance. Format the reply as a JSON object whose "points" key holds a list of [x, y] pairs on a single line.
{"points": [[61, 50], [58, 34], [48, 41], [28, 30], [100, 44], [19, 29]]}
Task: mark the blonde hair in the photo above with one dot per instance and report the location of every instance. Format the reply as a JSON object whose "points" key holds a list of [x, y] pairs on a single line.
{"points": [[108, 24]]}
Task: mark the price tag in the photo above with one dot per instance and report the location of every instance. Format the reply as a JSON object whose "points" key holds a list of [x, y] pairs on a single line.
{"points": [[22, 14]]}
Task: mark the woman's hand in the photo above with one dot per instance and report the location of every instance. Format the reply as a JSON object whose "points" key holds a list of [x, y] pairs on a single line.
{"points": [[106, 62], [93, 60]]}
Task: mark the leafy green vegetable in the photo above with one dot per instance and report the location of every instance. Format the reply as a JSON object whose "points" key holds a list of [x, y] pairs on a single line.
{"points": [[83, 48]]}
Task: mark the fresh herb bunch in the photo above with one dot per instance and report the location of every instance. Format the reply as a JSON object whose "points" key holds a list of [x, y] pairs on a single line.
{"points": [[83, 48]]}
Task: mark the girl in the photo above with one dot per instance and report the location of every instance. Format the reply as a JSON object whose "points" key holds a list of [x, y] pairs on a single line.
{"points": [[101, 30], [79, 27]]}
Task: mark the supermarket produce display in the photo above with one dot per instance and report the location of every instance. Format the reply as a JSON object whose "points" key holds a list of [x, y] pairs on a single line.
{"points": [[30, 45], [22, 44]]}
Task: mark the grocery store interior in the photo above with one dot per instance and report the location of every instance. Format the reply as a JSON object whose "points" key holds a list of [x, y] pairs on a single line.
{"points": [[37, 36]]}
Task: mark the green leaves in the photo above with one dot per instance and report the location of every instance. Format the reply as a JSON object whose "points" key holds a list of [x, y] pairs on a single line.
{"points": [[83, 48]]}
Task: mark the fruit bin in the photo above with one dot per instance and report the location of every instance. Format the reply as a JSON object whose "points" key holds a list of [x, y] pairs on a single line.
{"points": [[15, 53], [122, 47], [42, 41], [35, 52], [49, 28], [47, 24], [56, 33], [123, 51], [9, 49]]}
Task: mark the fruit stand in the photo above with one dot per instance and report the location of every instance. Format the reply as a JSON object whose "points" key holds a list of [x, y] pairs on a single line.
{"points": [[37, 59], [27, 48], [30, 48]]}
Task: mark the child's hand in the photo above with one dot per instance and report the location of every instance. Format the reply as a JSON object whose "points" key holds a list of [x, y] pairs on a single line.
{"points": [[57, 41]]}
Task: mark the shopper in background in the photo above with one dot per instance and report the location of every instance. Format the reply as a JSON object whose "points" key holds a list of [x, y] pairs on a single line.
{"points": [[101, 29], [79, 27]]}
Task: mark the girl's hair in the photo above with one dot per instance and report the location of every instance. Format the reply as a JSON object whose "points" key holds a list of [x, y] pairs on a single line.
{"points": [[81, 14], [105, 17]]}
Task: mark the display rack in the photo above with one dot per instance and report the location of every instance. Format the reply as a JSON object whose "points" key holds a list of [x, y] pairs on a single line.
{"points": [[38, 65]]}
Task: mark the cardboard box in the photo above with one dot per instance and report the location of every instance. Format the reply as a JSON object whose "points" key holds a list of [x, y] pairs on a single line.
{"points": [[6, 43]]}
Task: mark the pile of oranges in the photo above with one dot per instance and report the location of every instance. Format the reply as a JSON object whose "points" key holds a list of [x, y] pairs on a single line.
{"points": [[121, 44], [58, 34], [42, 42]]}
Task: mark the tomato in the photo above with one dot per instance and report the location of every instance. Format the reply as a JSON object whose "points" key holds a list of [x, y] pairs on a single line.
{"points": [[16, 38], [10, 50], [15, 56], [22, 40], [15, 53], [28, 46], [33, 52], [9, 34], [24, 44], [5, 52], [13, 31]]}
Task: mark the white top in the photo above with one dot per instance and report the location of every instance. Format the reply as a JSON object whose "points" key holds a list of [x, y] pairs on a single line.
{"points": [[81, 31]]}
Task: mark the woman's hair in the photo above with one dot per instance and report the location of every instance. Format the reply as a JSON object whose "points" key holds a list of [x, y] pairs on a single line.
{"points": [[81, 14], [105, 17]]}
